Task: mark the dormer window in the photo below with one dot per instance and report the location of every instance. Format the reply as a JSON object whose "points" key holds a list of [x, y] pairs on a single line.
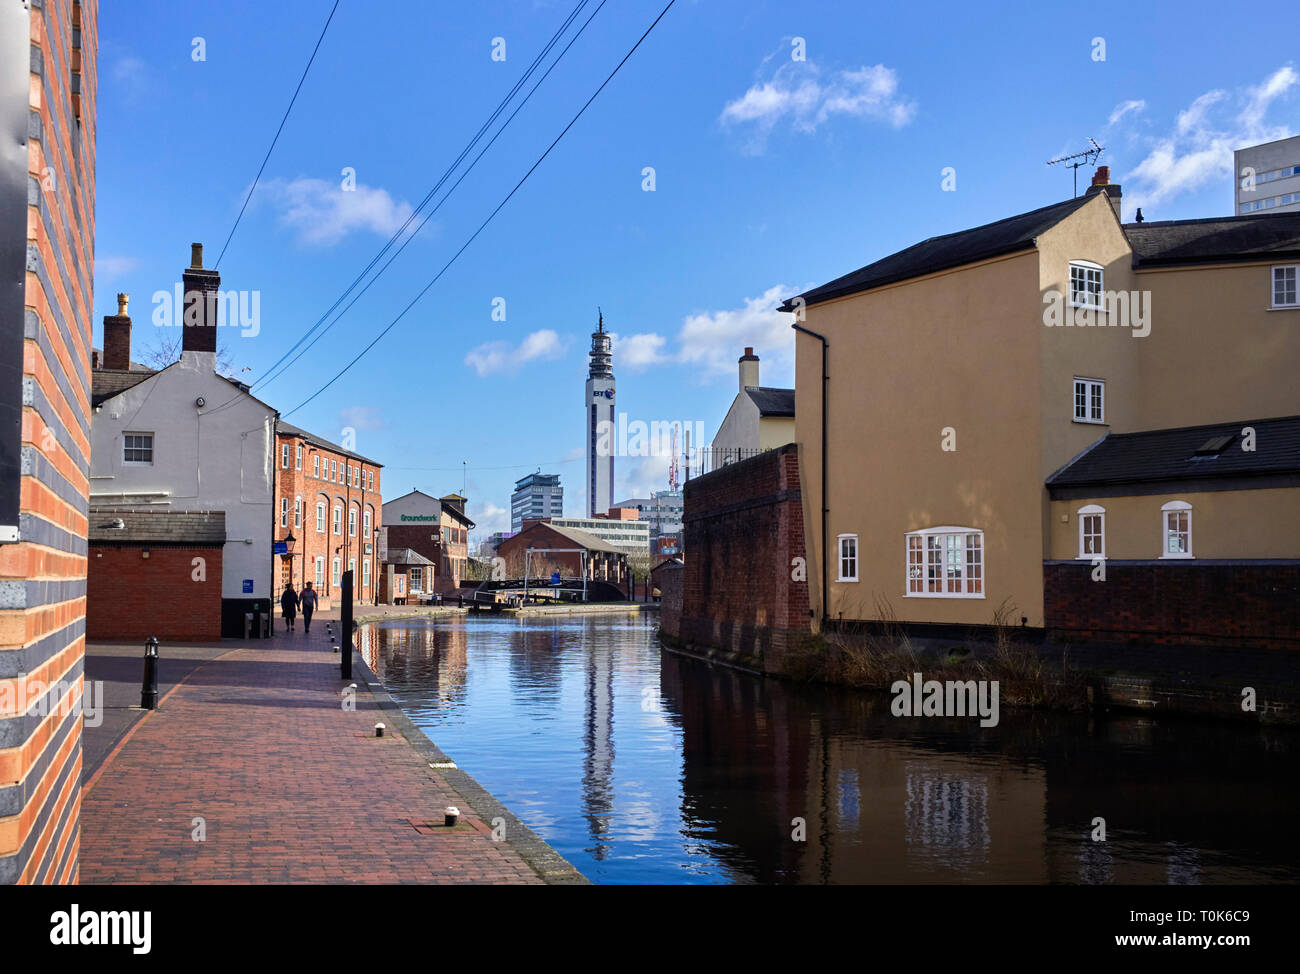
{"points": [[1085, 284]]}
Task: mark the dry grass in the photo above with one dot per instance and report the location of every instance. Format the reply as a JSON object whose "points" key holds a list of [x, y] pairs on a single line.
{"points": [[877, 654]]}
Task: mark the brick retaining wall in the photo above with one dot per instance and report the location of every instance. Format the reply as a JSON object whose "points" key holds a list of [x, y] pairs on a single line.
{"points": [[1211, 602], [743, 528]]}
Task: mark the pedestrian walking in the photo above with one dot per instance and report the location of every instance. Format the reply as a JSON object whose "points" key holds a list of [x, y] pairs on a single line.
{"points": [[289, 606], [307, 599]]}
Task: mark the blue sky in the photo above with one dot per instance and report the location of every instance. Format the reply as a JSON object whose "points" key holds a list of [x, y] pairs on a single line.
{"points": [[770, 174]]}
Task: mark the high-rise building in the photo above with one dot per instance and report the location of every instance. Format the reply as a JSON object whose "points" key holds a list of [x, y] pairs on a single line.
{"points": [[48, 84], [1268, 177], [536, 496], [600, 423]]}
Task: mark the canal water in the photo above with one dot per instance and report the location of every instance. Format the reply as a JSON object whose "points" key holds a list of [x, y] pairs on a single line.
{"points": [[640, 766]]}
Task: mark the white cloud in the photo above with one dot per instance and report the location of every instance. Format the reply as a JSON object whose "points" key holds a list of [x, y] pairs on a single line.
{"points": [[501, 356], [798, 96], [487, 517], [1123, 108], [1205, 134], [322, 212], [109, 268], [710, 342], [362, 418]]}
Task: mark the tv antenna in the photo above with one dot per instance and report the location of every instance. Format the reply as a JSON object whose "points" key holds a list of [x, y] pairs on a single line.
{"points": [[1088, 156]]}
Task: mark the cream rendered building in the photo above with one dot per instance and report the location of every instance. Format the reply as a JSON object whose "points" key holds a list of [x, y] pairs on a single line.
{"points": [[760, 417], [956, 382]]}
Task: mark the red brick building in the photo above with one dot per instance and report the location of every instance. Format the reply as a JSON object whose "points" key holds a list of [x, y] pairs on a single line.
{"points": [[603, 562], [155, 573], [48, 89], [436, 528], [329, 499]]}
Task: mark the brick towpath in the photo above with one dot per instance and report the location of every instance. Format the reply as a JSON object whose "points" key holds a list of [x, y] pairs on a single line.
{"points": [[291, 787]]}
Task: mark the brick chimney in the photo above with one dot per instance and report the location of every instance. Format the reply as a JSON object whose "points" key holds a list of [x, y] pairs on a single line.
{"points": [[200, 305], [117, 338], [748, 370], [1101, 184]]}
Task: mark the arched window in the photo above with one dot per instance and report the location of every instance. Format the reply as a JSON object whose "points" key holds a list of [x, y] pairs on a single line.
{"points": [[945, 563], [1092, 532], [1176, 530]]}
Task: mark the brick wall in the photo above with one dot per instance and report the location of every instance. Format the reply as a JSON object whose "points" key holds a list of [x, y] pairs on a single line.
{"points": [[305, 485], [669, 579], [743, 527], [43, 576], [1210, 602], [132, 597]]}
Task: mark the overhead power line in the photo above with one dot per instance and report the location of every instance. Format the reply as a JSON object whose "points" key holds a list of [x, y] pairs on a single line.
{"points": [[424, 290], [269, 150], [275, 371]]}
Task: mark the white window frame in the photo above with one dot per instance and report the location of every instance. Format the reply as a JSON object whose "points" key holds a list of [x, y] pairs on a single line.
{"points": [[284, 512], [138, 447], [297, 513], [334, 471], [352, 522], [1088, 270], [338, 519], [365, 523], [1088, 386], [320, 571], [371, 475], [320, 517], [1085, 512], [415, 579], [284, 456], [1175, 507], [336, 572], [352, 567], [1295, 286], [841, 558], [315, 466], [972, 572]]}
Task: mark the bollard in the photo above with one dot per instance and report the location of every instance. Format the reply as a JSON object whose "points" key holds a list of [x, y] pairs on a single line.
{"points": [[450, 816], [379, 730], [336, 649], [149, 686]]}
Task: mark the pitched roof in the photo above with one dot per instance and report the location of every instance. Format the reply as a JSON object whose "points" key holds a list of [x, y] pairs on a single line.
{"points": [[951, 250], [1254, 236], [405, 556], [288, 429], [107, 383], [202, 528], [1154, 456], [772, 402], [580, 538]]}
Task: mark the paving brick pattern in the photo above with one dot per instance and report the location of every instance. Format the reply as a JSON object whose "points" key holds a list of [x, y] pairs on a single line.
{"points": [[292, 788]]}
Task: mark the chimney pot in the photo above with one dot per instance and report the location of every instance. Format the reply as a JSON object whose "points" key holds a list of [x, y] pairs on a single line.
{"points": [[121, 304], [196, 255], [1102, 176]]}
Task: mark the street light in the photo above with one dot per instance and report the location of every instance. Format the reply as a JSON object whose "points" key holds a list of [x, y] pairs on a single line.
{"points": [[288, 549]]}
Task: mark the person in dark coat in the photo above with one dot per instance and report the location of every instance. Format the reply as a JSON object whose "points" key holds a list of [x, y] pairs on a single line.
{"points": [[307, 599], [289, 606]]}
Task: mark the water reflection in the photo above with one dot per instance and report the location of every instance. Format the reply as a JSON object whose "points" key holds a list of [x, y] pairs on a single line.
{"points": [[641, 766]]}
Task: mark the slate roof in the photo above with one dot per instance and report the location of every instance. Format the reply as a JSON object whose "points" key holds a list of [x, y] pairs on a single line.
{"points": [[580, 538], [288, 429], [199, 528], [1152, 456], [107, 383], [951, 250], [1253, 236], [772, 402], [405, 556]]}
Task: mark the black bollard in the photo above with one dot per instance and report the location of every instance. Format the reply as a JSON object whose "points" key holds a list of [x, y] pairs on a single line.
{"points": [[149, 687]]}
